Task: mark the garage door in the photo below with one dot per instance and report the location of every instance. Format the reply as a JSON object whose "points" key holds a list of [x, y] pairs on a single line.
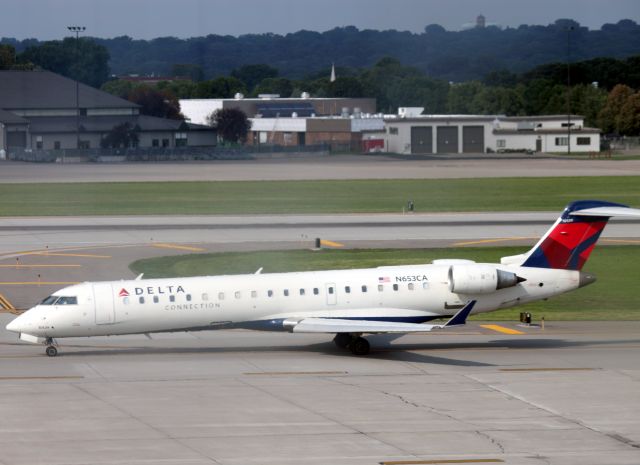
{"points": [[473, 139], [16, 139], [447, 139], [422, 139]]}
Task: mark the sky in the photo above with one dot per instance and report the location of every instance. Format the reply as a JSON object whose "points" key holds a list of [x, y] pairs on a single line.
{"points": [[147, 19]]}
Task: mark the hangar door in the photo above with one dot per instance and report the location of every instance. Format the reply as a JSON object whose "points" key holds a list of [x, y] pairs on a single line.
{"points": [[421, 139], [447, 139], [473, 139], [16, 139]]}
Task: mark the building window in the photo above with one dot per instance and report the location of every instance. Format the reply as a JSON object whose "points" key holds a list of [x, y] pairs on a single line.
{"points": [[584, 140], [83, 112], [84, 144], [56, 145], [501, 143], [393, 131], [165, 142], [181, 139], [562, 141], [39, 142], [155, 143]]}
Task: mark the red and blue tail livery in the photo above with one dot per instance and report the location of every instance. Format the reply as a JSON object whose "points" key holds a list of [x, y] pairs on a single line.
{"points": [[569, 242]]}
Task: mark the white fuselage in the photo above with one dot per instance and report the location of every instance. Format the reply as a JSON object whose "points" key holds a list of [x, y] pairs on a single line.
{"points": [[270, 301]]}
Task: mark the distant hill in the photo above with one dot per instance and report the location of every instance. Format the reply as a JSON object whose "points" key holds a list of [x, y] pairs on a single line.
{"points": [[452, 56]]}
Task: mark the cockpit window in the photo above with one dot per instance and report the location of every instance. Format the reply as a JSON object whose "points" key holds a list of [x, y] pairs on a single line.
{"points": [[49, 300]]}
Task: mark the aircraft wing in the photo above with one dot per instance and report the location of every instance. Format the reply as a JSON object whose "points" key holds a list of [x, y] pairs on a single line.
{"points": [[337, 325]]}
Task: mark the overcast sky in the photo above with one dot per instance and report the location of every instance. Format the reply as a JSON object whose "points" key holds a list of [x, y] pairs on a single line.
{"points": [[146, 19]]}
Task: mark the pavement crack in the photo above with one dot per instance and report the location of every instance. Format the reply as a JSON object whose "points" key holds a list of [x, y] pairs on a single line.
{"points": [[493, 440]]}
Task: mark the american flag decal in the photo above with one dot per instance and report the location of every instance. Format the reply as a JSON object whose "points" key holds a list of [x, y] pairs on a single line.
{"points": [[383, 279]]}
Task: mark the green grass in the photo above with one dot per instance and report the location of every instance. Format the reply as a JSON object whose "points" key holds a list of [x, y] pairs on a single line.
{"points": [[613, 297], [266, 197]]}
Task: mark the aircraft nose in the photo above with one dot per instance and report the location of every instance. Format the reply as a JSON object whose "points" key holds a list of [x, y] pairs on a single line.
{"points": [[16, 325]]}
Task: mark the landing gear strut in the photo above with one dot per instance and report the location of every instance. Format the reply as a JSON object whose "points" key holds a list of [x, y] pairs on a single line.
{"points": [[51, 350], [354, 342]]}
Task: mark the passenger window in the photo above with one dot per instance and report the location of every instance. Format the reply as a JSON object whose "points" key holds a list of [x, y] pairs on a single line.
{"points": [[364, 288], [270, 293], [125, 301], [188, 297], [254, 294], [301, 291], [237, 294], [425, 285], [347, 289], [220, 295], [410, 286], [380, 288], [330, 290], [205, 297], [172, 298], [316, 291], [286, 292], [156, 299], [141, 300], [395, 287]]}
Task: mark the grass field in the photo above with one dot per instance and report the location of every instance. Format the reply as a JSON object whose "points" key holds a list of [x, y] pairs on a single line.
{"points": [[266, 197], [613, 297]]}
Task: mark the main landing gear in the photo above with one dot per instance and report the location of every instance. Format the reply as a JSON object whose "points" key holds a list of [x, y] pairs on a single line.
{"points": [[51, 350], [354, 342]]}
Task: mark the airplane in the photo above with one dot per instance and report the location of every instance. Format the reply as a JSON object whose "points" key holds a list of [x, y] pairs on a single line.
{"points": [[347, 303]]}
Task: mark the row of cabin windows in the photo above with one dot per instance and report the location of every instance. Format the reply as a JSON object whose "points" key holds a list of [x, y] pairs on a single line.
{"points": [[285, 292]]}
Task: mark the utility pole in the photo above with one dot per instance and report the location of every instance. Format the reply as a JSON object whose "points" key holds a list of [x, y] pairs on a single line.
{"points": [[77, 30], [569, 29]]}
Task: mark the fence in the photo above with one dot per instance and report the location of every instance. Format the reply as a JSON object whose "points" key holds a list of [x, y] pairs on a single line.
{"points": [[151, 154]]}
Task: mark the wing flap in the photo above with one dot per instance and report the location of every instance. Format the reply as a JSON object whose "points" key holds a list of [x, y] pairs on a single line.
{"points": [[337, 325]]}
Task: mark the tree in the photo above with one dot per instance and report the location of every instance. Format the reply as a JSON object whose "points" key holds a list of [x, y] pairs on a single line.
{"points": [[121, 136], [281, 86], [84, 59], [629, 117], [118, 87], [251, 75], [609, 115], [155, 102], [7, 56], [232, 124], [221, 87], [188, 70]]}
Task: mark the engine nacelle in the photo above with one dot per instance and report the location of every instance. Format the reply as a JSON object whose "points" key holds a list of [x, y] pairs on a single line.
{"points": [[480, 279]]}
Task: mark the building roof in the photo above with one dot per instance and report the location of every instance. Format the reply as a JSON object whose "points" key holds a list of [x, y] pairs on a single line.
{"points": [[7, 117], [58, 124], [47, 90], [559, 131]]}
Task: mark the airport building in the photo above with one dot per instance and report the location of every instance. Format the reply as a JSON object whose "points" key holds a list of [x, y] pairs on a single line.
{"points": [[411, 132], [39, 111]]}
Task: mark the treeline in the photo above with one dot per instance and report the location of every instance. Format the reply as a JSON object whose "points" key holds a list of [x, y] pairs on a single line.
{"points": [[449, 55], [540, 91]]}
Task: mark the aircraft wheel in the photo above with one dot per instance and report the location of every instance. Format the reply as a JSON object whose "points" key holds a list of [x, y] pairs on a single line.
{"points": [[342, 340], [359, 346], [51, 351]]}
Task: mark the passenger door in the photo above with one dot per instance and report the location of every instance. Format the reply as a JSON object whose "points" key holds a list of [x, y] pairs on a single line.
{"points": [[331, 291], [104, 304]]}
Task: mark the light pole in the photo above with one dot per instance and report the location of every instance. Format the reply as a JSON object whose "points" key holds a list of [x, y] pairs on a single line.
{"points": [[77, 30], [569, 29]]}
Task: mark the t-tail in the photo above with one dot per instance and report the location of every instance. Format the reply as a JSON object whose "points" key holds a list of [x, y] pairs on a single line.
{"points": [[569, 242]]}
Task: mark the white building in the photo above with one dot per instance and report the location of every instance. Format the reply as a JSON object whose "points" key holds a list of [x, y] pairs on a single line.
{"points": [[410, 132]]}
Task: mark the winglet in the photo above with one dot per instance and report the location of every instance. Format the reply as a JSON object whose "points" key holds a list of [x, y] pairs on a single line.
{"points": [[460, 318]]}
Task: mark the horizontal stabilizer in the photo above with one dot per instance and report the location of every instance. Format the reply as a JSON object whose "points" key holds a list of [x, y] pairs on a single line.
{"points": [[608, 212], [337, 325]]}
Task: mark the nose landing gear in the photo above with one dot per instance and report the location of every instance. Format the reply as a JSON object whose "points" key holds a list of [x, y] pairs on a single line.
{"points": [[51, 350]]}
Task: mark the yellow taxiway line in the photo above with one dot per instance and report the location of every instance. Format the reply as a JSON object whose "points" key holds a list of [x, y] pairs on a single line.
{"points": [[492, 241], [179, 247], [61, 254], [502, 329]]}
